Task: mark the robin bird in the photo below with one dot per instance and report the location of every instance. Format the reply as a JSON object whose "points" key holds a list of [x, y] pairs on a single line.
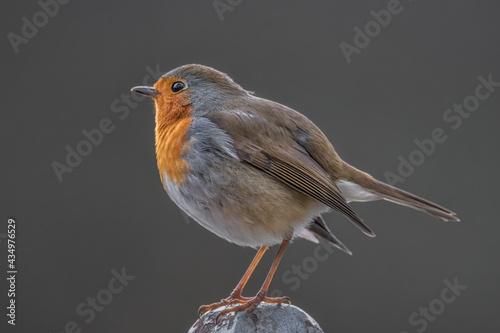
{"points": [[255, 172]]}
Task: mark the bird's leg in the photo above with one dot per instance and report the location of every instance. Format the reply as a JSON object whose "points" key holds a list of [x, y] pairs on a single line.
{"points": [[251, 303], [235, 296]]}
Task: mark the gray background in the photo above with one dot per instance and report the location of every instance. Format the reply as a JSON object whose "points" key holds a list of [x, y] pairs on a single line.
{"points": [[112, 212]]}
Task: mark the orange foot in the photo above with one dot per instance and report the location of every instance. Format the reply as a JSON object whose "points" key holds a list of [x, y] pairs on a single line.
{"points": [[231, 300], [244, 303], [252, 303]]}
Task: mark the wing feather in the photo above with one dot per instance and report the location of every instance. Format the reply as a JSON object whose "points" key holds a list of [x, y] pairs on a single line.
{"points": [[298, 170]]}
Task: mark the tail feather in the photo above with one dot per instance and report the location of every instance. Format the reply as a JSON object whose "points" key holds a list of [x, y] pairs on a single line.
{"points": [[395, 195], [319, 228]]}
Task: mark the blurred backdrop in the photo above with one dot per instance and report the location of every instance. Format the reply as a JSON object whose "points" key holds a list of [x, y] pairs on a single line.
{"points": [[406, 90]]}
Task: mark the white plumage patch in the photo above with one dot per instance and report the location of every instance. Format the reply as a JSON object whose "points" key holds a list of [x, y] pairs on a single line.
{"points": [[354, 192], [306, 234]]}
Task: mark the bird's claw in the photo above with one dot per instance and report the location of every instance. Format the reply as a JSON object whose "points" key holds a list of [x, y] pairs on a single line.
{"points": [[252, 303], [231, 300]]}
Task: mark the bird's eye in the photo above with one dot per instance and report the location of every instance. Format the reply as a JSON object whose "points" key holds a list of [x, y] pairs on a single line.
{"points": [[178, 86]]}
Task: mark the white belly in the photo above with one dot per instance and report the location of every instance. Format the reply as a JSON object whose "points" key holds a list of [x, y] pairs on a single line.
{"points": [[226, 221]]}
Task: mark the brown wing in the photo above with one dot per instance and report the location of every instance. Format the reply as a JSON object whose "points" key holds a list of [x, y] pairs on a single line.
{"points": [[293, 166]]}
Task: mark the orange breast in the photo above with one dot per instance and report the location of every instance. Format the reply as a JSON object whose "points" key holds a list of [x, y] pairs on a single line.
{"points": [[170, 146]]}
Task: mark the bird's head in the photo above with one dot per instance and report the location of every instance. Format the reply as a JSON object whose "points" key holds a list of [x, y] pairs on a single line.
{"points": [[190, 89]]}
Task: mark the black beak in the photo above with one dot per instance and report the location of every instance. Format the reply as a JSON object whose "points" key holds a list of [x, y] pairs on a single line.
{"points": [[146, 91]]}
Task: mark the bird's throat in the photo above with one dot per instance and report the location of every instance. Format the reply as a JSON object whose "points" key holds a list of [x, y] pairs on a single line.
{"points": [[171, 146]]}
